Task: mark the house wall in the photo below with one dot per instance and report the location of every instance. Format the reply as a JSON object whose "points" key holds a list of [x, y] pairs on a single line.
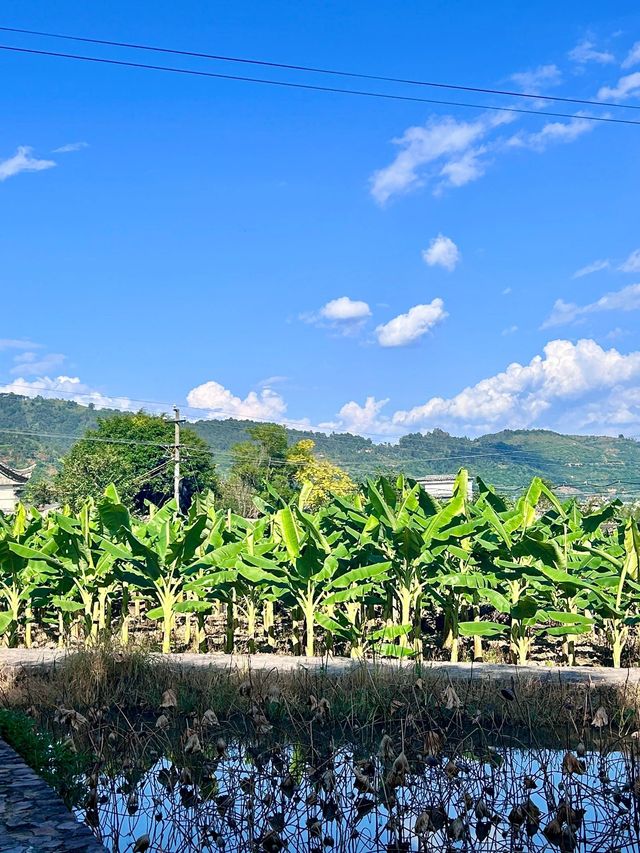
{"points": [[8, 497], [441, 487], [10, 492]]}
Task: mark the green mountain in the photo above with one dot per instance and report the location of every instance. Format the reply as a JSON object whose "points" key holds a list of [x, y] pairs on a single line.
{"points": [[41, 430]]}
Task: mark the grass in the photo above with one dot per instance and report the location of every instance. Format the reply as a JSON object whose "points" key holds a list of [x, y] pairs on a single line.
{"points": [[361, 698], [53, 758], [98, 724]]}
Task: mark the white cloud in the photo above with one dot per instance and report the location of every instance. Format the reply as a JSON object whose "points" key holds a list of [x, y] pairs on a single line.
{"points": [[70, 147], [586, 51], [633, 57], [616, 334], [447, 152], [627, 299], [615, 411], [632, 264], [510, 330], [270, 381], [17, 343], [442, 252], [552, 132], [23, 161], [462, 170], [523, 395], [345, 309], [343, 315], [406, 328], [31, 363], [363, 420], [221, 403], [506, 291], [626, 87], [596, 266], [570, 386], [535, 80], [68, 387], [447, 145], [211, 396]]}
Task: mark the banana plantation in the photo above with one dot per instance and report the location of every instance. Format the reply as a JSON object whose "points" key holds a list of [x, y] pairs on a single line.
{"points": [[386, 572]]}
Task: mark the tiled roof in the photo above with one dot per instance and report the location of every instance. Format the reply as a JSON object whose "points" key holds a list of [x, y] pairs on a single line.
{"points": [[16, 476]]}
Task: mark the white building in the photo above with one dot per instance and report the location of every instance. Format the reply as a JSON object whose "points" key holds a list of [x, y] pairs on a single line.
{"points": [[441, 486], [12, 485]]}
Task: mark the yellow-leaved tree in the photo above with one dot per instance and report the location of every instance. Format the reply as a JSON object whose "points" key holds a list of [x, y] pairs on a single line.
{"points": [[319, 478]]}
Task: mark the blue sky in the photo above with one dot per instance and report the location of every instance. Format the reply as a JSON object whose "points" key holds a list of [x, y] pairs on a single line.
{"points": [[361, 264]]}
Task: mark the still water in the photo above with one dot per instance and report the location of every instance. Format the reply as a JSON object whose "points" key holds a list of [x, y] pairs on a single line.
{"points": [[489, 799]]}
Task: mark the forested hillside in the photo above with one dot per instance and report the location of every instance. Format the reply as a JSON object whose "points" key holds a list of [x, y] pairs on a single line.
{"points": [[42, 430]]}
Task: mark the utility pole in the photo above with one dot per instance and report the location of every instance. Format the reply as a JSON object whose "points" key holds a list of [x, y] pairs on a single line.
{"points": [[176, 456]]}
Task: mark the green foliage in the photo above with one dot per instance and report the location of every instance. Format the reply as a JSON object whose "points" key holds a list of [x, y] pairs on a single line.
{"points": [[133, 452], [53, 759], [40, 492], [262, 461], [361, 572], [508, 459]]}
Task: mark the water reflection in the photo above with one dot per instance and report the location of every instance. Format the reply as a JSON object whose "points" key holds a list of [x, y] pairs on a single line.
{"points": [[250, 798]]}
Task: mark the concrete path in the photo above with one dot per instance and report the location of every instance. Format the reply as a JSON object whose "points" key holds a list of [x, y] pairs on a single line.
{"points": [[33, 819], [20, 659]]}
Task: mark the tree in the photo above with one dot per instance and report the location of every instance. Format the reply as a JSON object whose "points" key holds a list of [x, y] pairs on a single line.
{"points": [[40, 492], [133, 451], [322, 477], [263, 459]]}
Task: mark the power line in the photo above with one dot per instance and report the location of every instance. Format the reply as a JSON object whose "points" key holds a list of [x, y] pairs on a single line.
{"points": [[152, 473], [291, 424], [471, 457], [275, 462], [310, 87], [578, 490], [83, 437], [333, 72]]}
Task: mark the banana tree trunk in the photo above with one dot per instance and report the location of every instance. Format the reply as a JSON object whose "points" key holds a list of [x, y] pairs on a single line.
{"points": [[520, 645], [454, 654], [200, 639], [28, 625], [452, 641], [308, 604], [297, 619], [354, 610], [103, 595], [167, 625], [124, 613], [478, 651], [617, 640], [616, 651], [268, 623], [251, 626], [230, 626], [405, 597]]}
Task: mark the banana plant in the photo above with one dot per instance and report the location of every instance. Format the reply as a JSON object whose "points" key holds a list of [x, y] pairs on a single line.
{"points": [[401, 519], [154, 557], [57, 561], [461, 582], [617, 576], [20, 577], [364, 570], [523, 558], [318, 567]]}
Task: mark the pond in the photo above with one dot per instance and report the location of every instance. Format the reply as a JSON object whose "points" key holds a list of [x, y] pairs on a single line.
{"points": [[269, 797]]}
